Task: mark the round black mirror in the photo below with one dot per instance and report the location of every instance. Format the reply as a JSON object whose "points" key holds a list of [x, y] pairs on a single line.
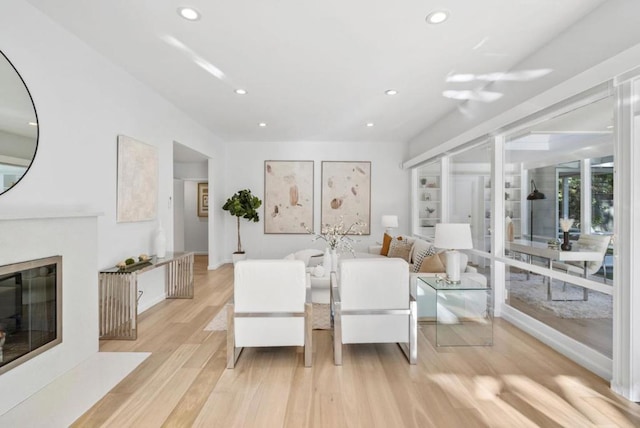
{"points": [[18, 126]]}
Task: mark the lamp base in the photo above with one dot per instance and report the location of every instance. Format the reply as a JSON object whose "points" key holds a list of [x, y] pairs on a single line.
{"points": [[453, 266]]}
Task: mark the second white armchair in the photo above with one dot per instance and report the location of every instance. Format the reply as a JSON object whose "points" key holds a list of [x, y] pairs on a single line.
{"points": [[372, 303]]}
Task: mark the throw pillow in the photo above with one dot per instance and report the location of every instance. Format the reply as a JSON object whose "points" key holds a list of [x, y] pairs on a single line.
{"points": [[386, 242], [432, 264], [400, 249], [418, 258], [419, 245], [305, 255]]}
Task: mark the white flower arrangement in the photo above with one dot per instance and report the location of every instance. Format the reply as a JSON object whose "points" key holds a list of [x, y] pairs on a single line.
{"points": [[566, 223], [337, 236]]}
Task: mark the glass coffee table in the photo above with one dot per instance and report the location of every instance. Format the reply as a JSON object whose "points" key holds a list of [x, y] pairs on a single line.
{"points": [[463, 312]]}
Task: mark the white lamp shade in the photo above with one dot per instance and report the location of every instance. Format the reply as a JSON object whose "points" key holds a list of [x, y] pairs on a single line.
{"points": [[389, 221], [453, 236]]}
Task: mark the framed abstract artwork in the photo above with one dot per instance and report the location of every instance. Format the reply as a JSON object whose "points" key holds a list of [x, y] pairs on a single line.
{"points": [[346, 193], [288, 196], [137, 188], [203, 199]]}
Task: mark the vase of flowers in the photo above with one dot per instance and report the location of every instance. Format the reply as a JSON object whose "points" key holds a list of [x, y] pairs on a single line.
{"points": [[338, 237], [334, 261], [565, 225]]}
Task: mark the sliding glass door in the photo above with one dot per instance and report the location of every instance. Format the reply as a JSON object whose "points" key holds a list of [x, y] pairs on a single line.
{"points": [[563, 217]]}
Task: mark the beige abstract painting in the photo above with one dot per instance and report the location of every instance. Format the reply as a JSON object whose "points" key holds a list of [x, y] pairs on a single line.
{"points": [[288, 196], [137, 180], [346, 193]]}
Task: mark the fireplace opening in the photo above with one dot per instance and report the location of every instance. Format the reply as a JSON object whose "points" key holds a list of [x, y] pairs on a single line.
{"points": [[30, 309]]}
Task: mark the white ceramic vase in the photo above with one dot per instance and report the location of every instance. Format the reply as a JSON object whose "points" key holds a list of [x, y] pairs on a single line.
{"points": [[334, 261], [326, 261]]}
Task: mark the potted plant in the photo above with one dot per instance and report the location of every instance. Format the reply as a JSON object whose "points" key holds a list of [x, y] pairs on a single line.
{"points": [[242, 205]]}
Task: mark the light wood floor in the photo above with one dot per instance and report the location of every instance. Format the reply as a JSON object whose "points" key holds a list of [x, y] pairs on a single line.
{"points": [[597, 333], [518, 382]]}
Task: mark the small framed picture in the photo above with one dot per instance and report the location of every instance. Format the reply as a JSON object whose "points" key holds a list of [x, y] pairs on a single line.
{"points": [[203, 199]]}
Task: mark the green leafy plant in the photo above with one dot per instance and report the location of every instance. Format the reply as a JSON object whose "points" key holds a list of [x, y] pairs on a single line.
{"points": [[243, 205]]}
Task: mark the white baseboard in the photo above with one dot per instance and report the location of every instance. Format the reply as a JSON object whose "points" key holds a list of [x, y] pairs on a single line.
{"points": [[567, 346], [218, 265], [152, 303]]}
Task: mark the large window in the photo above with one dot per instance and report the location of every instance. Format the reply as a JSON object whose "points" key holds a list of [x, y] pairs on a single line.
{"points": [[565, 165]]}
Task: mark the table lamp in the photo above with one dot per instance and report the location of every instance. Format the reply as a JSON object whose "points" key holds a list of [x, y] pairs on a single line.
{"points": [[453, 237], [389, 222]]}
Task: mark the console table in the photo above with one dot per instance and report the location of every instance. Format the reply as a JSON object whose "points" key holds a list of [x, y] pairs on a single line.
{"points": [[118, 293]]}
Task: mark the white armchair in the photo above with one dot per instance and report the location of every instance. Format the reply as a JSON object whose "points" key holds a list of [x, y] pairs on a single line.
{"points": [[371, 303], [271, 307]]}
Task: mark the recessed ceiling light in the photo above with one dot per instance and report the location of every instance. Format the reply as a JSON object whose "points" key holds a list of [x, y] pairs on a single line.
{"points": [[33, 124], [370, 124], [391, 92], [437, 17], [610, 127], [189, 13], [241, 92], [262, 124]]}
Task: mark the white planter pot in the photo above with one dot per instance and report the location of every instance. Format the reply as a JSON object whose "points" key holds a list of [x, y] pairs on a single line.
{"points": [[236, 257]]}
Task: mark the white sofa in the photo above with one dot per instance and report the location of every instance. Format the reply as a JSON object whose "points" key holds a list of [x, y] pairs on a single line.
{"points": [[320, 284], [419, 245], [424, 294]]}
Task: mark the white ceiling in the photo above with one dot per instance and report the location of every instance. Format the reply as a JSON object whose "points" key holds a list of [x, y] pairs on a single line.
{"points": [[316, 70]]}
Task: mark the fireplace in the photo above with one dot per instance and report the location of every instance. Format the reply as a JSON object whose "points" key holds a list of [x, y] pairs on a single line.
{"points": [[30, 309]]}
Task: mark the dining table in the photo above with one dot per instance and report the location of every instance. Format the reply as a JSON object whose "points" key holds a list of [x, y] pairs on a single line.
{"points": [[578, 253]]}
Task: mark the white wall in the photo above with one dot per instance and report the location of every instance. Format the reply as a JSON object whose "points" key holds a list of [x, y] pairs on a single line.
{"points": [[195, 228], [178, 215], [245, 169], [75, 239], [606, 32], [83, 103], [190, 170]]}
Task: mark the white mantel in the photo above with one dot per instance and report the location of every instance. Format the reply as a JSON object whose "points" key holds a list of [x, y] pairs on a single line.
{"points": [[32, 213], [30, 233]]}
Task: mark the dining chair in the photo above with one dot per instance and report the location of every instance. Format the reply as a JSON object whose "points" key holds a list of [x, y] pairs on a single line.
{"points": [[598, 243], [271, 307], [371, 303]]}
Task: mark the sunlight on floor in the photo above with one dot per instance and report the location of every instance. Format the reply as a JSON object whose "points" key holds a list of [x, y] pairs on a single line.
{"points": [[566, 401]]}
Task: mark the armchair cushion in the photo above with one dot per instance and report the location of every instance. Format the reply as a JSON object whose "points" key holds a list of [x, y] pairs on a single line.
{"points": [[372, 304], [261, 289]]}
